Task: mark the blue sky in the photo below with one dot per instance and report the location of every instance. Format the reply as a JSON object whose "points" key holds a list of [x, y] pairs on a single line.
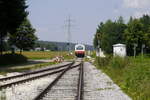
{"points": [[49, 16]]}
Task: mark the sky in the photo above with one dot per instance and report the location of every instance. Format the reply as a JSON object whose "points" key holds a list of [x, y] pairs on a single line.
{"points": [[49, 17]]}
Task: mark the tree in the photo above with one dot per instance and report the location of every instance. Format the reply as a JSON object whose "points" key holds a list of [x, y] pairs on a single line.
{"points": [[24, 37], [134, 35], [98, 35], [46, 45], [120, 28], [110, 33], [145, 20], [120, 20], [136, 31], [12, 13]]}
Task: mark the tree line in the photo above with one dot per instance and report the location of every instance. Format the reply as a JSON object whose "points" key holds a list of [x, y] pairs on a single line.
{"points": [[15, 28], [136, 32], [45, 45]]}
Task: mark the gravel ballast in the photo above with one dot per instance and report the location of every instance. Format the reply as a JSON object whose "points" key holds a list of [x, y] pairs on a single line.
{"points": [[98, 86], [66, 87], [28, 90]]}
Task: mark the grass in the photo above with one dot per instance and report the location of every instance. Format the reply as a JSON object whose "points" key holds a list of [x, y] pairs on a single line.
{"points": [[131, 74], [7, 61], [35, 55], [4, 71], [45, 54]]}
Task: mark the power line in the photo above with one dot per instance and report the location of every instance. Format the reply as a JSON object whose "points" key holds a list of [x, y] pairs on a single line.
{"points": [[69, 36]]}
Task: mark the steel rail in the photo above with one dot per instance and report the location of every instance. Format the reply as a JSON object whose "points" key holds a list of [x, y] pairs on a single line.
{"points": [[35, 77], [80, 83], [33, 72], [48, 88]]}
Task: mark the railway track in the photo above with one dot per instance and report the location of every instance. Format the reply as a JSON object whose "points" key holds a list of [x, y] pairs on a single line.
{"points": [[80, 83], [69, 75], [68, 85], [18, 79]]}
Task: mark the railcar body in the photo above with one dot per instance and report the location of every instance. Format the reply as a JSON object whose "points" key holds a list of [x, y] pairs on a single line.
{"points": [[79, 50]]}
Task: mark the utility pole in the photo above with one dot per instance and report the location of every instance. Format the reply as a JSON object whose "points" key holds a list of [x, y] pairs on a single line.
{"points": [[135, 45], [98, 47], [142, 49], [69, 25]]}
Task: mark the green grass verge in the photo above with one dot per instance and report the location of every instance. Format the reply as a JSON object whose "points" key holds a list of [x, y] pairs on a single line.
{"points": [[131, 74], [7, 61], [36, 55], [45, 54]]}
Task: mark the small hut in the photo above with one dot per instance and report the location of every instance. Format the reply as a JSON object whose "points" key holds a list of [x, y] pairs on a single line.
{"points": [[119, 50]]}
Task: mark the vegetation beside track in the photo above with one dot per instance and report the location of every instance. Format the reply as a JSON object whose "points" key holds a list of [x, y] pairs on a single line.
{"points": [[8, 60], [34, 55], [131, 74], [14, 59]]}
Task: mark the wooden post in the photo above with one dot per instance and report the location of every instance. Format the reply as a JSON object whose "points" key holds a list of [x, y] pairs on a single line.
{"points": [[135, 45]]}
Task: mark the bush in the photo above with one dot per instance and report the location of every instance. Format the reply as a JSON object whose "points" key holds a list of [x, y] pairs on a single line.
{"points": [[114, 62], [102, 62], [8, 59], [119, 62], [93, 54]]}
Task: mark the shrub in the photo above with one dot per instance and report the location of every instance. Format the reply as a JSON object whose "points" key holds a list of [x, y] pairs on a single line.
{"points": [[119, 62], [102, 62]]}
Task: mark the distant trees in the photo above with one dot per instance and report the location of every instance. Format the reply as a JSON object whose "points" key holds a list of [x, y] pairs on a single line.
{"points": [[12, 13], [51, 47], [24, 37], [46, 45], [136, 31]]}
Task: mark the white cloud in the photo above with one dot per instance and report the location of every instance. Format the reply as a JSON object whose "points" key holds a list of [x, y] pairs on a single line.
{"points": [[136, 3]]}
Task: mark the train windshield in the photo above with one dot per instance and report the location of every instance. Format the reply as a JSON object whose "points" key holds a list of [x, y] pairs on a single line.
{"points": [[79, 48]]}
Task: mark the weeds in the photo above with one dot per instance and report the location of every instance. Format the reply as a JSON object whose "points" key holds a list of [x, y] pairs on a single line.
{"points": [[119, 62], [103, 62]]}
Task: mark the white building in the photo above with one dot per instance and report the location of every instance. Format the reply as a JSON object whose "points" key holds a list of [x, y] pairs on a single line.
{"points": [[38, 49], [119, 50]]}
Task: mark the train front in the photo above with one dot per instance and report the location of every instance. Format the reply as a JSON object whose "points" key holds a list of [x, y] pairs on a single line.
{"points": [[79, 50]]}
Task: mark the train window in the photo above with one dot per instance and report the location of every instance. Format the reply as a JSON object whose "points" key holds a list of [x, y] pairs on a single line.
{"points": [[79, 48]]}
